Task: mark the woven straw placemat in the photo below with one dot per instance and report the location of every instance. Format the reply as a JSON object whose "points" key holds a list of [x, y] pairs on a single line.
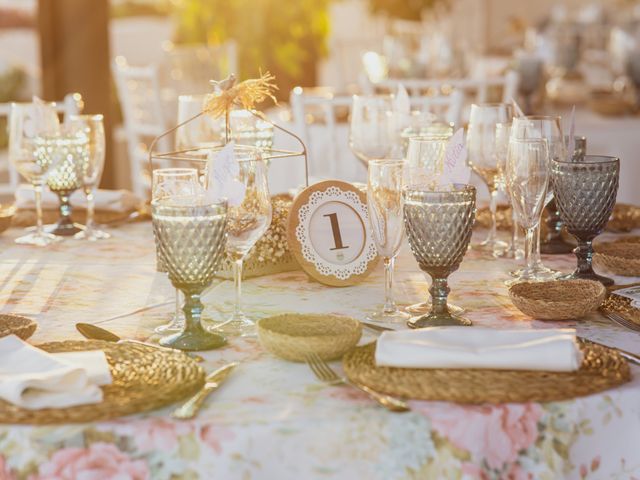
{"points": [[621, 305], [144, 378], [18, 325], [602, 368]]}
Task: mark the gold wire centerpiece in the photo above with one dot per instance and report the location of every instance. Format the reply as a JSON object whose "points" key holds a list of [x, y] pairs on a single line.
{"points": [[191, 237]]}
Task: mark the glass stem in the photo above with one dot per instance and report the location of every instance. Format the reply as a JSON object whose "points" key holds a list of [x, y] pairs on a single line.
{"points": [[584, 253], [90, 210], [237, 281], [535, 251], [439, 292], [493, 206], [178, 304], [192, 312], [529, 247], [514, 232], [389, 304], [37, 189]]}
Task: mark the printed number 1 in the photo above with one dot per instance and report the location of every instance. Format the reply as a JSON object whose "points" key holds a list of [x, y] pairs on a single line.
{"points": [[335, 228]]}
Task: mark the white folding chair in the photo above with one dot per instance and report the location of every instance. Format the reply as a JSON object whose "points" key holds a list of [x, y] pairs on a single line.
{"points": [[316, 118], [9, 177], [142, 111]]}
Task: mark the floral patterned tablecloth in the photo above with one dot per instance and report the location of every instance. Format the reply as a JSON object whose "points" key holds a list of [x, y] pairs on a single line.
{"points": [[273, 419]]}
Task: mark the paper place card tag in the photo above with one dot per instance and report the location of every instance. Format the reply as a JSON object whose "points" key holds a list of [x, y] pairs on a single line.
{"points": [[516, 107], [44, 119], [222, 173], [402, 102], [632, 293], [455, 169]]}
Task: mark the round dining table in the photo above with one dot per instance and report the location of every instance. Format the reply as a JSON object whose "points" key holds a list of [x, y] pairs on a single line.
{"points": [[273, 419]]}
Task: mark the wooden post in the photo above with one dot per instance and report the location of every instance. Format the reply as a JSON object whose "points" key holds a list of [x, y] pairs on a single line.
{"points": [[74, 50]]}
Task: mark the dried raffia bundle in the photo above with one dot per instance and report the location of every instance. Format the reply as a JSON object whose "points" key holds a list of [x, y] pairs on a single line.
{"points": [[247, 94]]}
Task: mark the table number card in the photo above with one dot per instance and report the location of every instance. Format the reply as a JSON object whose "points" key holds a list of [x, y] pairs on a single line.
{"points": [[328, 233]]}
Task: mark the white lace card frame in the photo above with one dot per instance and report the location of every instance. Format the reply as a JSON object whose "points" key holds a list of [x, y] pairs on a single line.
{"points": [[329, 233]]}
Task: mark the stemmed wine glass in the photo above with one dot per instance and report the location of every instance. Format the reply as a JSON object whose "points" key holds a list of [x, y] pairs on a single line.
{"points": [[384, 200], [248, 218], [438, 225], [372, 129], [484, 160], [71, 148], [93, 128], [167, 183], [548, 128], [527, 178], [425, 166], [26, 122], [190, 237]]}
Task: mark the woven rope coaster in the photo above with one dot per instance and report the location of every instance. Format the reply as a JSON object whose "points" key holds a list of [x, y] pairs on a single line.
{"points": [[17, 325], [144, 378], [621, 257], [602, 368], [621, 305]]}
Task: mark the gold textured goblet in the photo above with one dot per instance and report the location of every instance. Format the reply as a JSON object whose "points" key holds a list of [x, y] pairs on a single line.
{"points": [[72, 150], [438, 226], [191, 237]]}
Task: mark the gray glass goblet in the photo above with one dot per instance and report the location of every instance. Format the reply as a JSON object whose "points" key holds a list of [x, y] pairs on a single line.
{"points": [[554, 243], [585, 193], [191, 238], [438, 226]]}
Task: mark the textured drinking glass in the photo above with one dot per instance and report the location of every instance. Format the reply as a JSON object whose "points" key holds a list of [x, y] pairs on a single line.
{"points": [[93, 127], [190, 235], [202, 132], [527, 178], [371, 132], [503, 131], [26, 122], [247, 129], [167, 183], [548, 128], [586, 193], [484, 160], [384, 199], [249, 218], [69, 152], [438, 226]]}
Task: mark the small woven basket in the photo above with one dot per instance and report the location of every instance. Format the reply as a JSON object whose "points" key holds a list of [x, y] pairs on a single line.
{"points": [[22, 327], [624, 218], [621, 258], [294, 336], [557, 300]]}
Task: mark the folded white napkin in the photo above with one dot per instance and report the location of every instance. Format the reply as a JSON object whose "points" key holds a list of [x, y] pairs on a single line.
{"points": [[32, 378], [553, 350], [105, 200]]}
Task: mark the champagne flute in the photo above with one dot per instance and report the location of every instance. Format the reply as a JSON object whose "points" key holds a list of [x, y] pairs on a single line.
{"points": [[167, 183], [527, 177], [384, 200], [484, 160], [26, 122], [371, 132], [93, 128], [248, 218], [548, 128]]}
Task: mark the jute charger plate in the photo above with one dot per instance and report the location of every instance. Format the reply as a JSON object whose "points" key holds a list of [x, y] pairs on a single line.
{"points": [[621, 305], [144, 378], [602, 368]]}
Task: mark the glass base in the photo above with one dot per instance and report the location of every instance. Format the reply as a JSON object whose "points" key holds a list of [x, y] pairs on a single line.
{"points": [[491, 247], [92, 235], [513, 253], [238, 325], [539, 273], [556, 245], [606, 281], [438, 320], [381, 316], [38, 239], [198, 339], [63, 229], [425, 307], [175, 325]]}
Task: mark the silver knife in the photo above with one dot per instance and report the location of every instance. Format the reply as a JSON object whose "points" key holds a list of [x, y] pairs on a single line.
{"points": [[190, 408], [93, 332]]}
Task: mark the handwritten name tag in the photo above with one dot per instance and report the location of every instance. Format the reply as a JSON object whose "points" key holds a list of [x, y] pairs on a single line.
{"points": [[455, 169], [222, 175]]}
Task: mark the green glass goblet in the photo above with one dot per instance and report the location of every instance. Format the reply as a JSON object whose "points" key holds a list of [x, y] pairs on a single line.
{"points": [[191, 238], [438, 226]]}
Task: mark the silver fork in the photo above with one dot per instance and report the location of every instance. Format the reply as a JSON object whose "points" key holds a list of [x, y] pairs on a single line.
{"points": [[326, 374], [623, 322]]}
